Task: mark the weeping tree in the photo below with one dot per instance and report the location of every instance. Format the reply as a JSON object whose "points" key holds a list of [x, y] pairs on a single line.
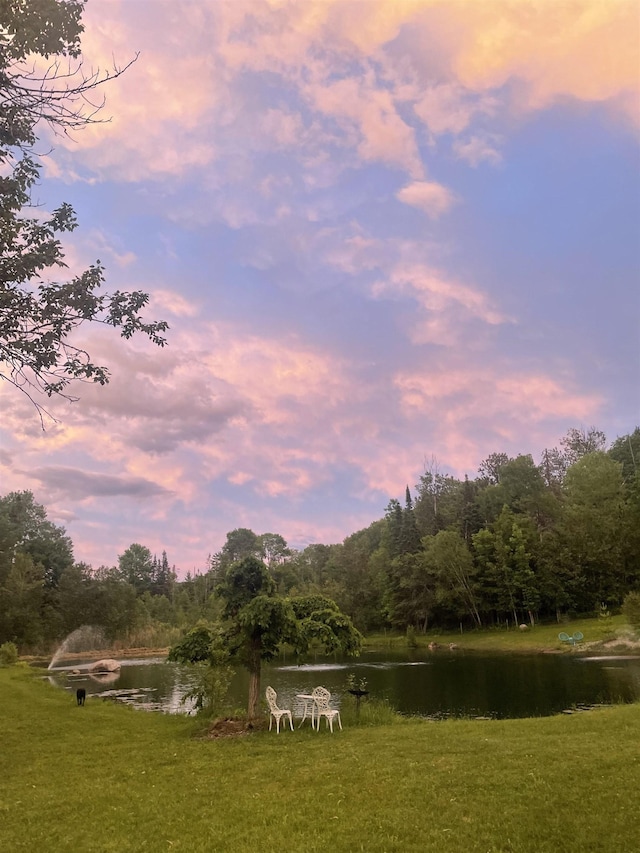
{"points": [[256, 620], [257, 623], [320, 621]]}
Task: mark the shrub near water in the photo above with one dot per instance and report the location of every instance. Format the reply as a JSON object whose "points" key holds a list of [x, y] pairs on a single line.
{"points": [[8, 654], [631, 609]]}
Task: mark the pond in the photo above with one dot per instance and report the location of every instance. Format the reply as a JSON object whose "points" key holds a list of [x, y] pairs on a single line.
{"points": [[447, 683]]}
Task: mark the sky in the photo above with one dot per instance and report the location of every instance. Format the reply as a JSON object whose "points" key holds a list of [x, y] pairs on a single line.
{"points": [[385, 235]]}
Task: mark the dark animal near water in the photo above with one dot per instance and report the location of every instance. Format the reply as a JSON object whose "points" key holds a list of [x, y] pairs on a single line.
{"points": [[81, 695]]}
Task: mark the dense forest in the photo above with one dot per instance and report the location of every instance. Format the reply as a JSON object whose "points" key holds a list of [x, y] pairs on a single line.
{"points": [[520, 542]]}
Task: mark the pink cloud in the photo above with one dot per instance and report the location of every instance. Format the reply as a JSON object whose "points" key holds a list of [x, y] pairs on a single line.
{"points": [[478, 149], [174, 303], [438, 295], [283, 127], [432, 198], [465, 406], [357, 252], [491, 395], [382, 134], [587, 50], [182, 106], [449, 108]]}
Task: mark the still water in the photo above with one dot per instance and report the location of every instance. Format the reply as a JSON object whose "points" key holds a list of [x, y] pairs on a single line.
{"points": [[441, 684]]}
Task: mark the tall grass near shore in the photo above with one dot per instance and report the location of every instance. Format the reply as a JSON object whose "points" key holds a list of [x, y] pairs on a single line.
{"points": [[107, 778]]}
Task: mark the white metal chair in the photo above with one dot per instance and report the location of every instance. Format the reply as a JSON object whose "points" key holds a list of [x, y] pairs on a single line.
{"points": [[276, 713], [322, 708]]}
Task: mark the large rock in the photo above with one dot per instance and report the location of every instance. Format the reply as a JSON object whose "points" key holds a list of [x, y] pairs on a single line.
{"points": [[106, 665]]}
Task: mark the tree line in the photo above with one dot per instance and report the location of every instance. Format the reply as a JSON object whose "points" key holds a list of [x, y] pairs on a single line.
{"points": [[520, 542]]}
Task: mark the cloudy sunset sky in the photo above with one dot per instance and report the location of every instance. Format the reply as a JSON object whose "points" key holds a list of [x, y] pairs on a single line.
{"points": [[381, 232]]}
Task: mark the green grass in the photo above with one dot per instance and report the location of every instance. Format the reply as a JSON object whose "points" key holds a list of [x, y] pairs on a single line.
{"points": [[108, 778], [540, 637]]}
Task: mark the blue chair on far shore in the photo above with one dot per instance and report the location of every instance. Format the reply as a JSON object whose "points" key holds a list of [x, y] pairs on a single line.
{"points": [[573, 639]]}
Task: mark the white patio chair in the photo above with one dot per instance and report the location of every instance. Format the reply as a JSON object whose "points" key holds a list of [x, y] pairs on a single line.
{"points": [[276, 713], [322, 708]]}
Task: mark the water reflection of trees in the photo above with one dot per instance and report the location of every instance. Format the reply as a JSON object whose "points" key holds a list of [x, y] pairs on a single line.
{"points": [[460, 684]]}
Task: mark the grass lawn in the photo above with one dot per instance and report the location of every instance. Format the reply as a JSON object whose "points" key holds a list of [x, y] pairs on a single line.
{"points": [[107, 778], [541, 637]]}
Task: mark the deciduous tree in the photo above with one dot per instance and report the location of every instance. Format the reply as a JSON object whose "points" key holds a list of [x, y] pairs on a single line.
{"points": [[42, 81], [626, 450], [452, 567], [257, 622], [241, 542], [273, 549], [439, 500], [136, 567], [22, 595], [593, 526], [25, 528]]}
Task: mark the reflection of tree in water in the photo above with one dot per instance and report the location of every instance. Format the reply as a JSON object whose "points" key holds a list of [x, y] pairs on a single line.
{"points": [[622, 677]]}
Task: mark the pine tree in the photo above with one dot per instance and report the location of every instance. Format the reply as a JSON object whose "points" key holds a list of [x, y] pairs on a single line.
{"points": [[409, 536]]}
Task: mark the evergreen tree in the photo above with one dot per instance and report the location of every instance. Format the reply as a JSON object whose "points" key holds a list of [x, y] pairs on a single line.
{"points": [[393, 533], [409, 537], [470, 519], [490, 468]]}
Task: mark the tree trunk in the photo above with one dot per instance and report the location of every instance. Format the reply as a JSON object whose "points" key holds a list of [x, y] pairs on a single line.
{"points": [[254, 693], [254, 679]]}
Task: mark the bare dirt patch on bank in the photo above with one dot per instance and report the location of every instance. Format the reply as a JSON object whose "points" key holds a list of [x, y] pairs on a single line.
{"points": [[234, 727]]}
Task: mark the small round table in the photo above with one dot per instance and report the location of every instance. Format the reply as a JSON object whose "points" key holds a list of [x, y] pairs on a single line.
{"points": [[309, 707]]}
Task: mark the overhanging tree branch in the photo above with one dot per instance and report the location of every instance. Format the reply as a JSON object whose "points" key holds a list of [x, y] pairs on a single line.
{"points": [[37, 315]]}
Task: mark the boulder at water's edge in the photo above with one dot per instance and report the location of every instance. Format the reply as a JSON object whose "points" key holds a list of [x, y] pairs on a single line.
{"points": [[106, 665]]}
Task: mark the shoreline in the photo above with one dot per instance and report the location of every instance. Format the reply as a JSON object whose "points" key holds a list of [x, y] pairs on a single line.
{"points": [[617, 646], [136, 652], [595, 648]]}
